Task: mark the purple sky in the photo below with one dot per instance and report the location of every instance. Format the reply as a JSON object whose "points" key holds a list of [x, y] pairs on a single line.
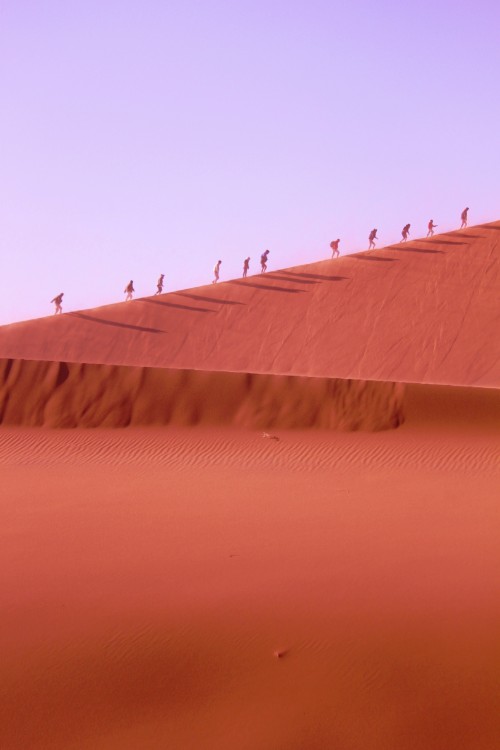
{"points": [[155, 136]]}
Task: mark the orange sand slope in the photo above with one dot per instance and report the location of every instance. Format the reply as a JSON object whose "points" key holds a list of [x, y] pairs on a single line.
{"points": [[149, 577], [421, 312]]}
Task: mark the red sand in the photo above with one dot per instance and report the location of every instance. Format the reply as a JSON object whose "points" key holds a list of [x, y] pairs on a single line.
{"points": [[211, 588], [149, 576], [422, 312], [57, 394]]}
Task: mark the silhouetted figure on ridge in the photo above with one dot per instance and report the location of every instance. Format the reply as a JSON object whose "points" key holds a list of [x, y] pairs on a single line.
{"points": [[58, 303], [159, 284], [217, 271], [463, 216], [405, 232], [372, 237], [263, 261], [246, 266], [431, 227], [335, 248], [129, 290]]}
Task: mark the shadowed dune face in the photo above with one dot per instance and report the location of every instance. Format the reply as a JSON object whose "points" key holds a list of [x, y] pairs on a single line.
{"points": [[57, 394]]}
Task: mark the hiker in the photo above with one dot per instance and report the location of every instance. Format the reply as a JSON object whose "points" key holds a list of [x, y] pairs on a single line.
{"points": [[463, 216], [58, 303], [335, 248], [405, 232], [372, 237], [216, 271], [431, 227], [159, 284], [246, 266], [263, 261], [129, 290]]}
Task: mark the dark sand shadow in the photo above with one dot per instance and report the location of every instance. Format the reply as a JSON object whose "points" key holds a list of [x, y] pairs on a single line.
{"points": [[416, 250], [373, 257], [464, 234], [153, 301], [217, 300], [244, 282], [115, 323], [298, 280], [445, 242], [485, 226], [316, 276]]}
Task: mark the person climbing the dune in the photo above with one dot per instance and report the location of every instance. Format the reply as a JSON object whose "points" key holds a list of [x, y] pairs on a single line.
{"points": [[246, 266], [263, 261], [217, 271], [463, 216], [159, 284], [129, 290], [430, 228], [372, 237], [334, 244], [405, 232], [58, 303]]}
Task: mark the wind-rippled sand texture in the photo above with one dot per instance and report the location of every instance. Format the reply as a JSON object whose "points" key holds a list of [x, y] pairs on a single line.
{"points": [[213, 588]]}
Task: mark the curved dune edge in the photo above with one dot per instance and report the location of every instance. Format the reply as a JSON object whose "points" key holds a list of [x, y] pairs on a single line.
{"points": [[59, 394], [422, 312]]}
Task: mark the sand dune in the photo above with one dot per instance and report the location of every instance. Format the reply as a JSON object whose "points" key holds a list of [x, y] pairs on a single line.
{"points": [[150, 576], [221, 587], [420, 312], [56, 394]]}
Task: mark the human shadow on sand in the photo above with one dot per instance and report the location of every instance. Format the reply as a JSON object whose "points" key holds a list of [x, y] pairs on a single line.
{"points": [[163, 303], [445, 242], [464, 234], [373, 257], [244, 282], [485, 226], [317, 276], [416, 250], [297, 280], [217, 300], [115, 323]]}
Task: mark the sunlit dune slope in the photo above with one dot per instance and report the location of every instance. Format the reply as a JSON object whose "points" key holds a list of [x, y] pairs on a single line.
{"points": [[425, 312]]}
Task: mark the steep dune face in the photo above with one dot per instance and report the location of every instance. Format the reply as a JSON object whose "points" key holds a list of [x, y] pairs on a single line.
{"points": [[59, 394], [423, 312]]}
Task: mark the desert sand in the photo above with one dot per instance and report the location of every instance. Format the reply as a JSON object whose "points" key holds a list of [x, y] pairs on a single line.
{"points": [[193, 581], [422, 312]]}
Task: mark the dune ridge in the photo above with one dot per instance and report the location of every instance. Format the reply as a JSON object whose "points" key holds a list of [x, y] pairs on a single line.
{"points": [[421, 312]]}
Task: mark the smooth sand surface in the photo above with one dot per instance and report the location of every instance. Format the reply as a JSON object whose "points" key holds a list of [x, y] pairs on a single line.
{"points": [[214, 589], [421, 312]]}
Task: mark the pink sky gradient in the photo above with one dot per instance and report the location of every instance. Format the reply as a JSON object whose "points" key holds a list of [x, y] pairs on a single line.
{"points": [[148, 137]]}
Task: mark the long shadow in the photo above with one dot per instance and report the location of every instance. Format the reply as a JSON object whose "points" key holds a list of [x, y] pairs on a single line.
{"points": [[445, 242], [373, 257], [244, 282], [298, 280], [208, 299], [115, 323], [417, 250], [317, 276], [496, 229], [177, 307], [466, 234]]}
